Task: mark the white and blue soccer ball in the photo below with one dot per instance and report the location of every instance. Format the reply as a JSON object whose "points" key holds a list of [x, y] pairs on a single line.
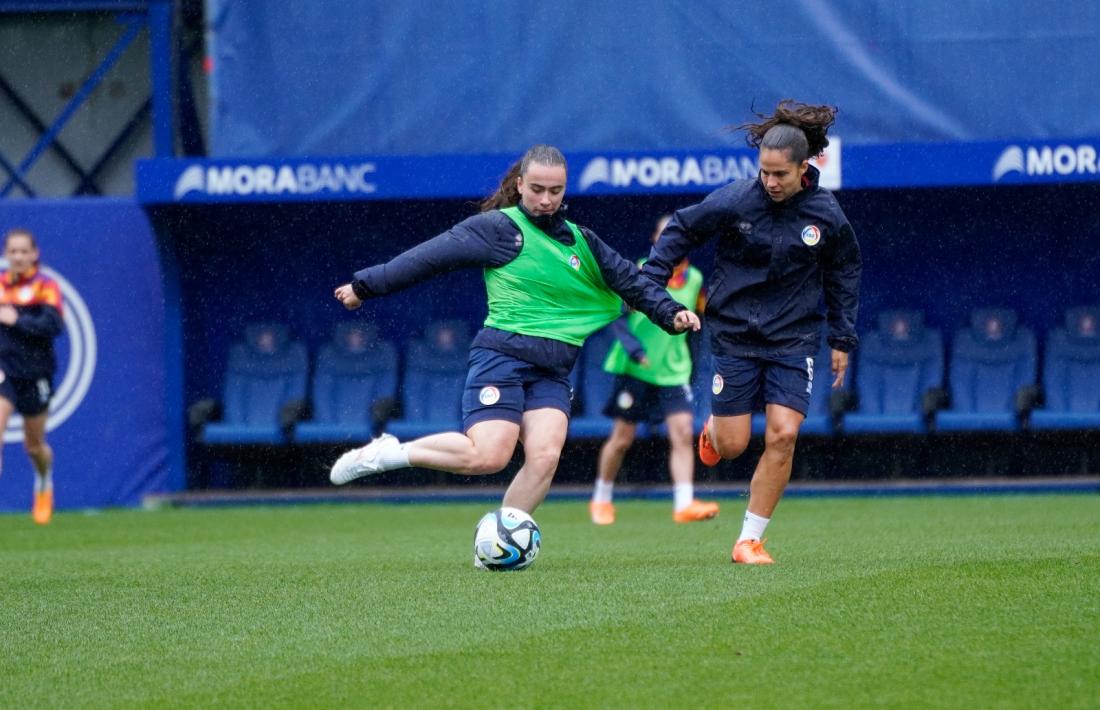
{"points": [[506, 539]]}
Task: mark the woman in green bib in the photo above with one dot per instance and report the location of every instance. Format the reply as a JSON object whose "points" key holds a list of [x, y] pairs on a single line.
{"points": [[652, 384], [550, 284]]}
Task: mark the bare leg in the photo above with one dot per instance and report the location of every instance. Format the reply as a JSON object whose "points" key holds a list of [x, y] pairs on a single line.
{"points": [[6, 410], [543, 436], [773, 471], [681, 454], [34, 441], [614, 449], [730, 435], [486, 448]]}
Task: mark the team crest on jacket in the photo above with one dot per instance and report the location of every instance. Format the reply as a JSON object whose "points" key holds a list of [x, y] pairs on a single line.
{"points": [[575, 262], [811, 235], [717, 384], [489, 395]]}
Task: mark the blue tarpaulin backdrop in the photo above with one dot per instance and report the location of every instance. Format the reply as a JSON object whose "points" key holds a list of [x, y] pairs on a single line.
{"points": [[335, 77]]}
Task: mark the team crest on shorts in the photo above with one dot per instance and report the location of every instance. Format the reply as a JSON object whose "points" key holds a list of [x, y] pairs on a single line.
{"points": [[811, 235], [489, 395], [717, 384], [625, 400], [575, 262]]}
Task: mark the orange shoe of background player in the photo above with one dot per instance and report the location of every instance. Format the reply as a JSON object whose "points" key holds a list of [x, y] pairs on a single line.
{"points": [[602, 513], [697, 510], [751, 552], [43, 507], [707, 453]]}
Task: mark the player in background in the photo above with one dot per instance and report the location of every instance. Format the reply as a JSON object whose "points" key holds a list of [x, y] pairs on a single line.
{"points": [[784, 245], [30, 319], [550, 285], [652, 384]]}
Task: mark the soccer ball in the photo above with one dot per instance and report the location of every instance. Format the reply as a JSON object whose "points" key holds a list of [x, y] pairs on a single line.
{"points": [[506, 539]]}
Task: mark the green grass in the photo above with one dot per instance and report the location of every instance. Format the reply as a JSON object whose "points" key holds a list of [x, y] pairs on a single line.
{"points": [[903, 602]]}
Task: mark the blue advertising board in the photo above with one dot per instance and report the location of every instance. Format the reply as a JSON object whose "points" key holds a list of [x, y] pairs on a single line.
{"points": [[900, 165], [114, 421]]}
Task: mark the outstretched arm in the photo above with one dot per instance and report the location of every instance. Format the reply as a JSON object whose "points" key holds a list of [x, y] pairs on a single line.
{"points": [[484, 240], [622, 277]]}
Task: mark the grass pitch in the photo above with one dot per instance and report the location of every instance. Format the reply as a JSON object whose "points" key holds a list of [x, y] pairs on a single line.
{"points": [[903, 602]]}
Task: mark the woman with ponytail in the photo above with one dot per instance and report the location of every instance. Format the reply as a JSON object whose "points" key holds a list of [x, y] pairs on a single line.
{"points": [[550, 284], [784, 246]]}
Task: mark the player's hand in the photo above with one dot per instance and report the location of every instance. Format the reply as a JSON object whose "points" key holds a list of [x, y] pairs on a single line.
{"points": [[8, 314], [643, 361], [346, 294], [840, 367], [686, 320]]}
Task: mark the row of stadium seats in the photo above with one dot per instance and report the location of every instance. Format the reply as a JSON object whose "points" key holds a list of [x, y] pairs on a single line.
{"points": [[896, 383]]}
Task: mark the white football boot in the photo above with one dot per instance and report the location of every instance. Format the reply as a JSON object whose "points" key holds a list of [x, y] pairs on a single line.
{"points": [[364, 461]]}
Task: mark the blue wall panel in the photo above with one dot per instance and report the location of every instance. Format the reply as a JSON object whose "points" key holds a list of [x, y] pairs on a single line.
{"points": [[114, 446]]}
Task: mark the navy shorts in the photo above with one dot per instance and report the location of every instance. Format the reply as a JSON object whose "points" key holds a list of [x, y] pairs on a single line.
{"points": [[30, 397], [742, 385], [500, 386], [635, 401]]}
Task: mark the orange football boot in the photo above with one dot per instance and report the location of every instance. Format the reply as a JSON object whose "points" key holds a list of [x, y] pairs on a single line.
{"points": [[707, 453], [751, 552], [602, 513], [43, 507], [697, 510]]}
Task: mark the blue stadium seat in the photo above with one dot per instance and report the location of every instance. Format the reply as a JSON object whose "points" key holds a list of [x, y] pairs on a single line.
{"points": [[267, 372], [595, 387], [352, 374], [993, 361], [899, 365], [435, 376], [1071, 374]]}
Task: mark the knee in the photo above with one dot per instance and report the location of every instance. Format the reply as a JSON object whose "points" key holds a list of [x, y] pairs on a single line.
{"points": [[543, 461], [730, 445], [680, 437], [781, 439], [620, 441], [34, 448], [483, 463]]}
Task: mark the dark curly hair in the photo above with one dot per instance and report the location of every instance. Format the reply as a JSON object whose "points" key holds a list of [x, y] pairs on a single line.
{"points": [[795, 126], [507, 194]]}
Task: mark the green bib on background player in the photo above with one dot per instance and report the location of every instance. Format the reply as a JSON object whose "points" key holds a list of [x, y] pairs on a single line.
{"points": [[549, 290], [668, 355]]}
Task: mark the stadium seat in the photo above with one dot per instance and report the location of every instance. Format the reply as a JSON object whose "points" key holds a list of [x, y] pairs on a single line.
{"points": [[900, 374], [354, 375], [992, 372], [595, 387], [1071, 374], [265, 388], [435, 376]]}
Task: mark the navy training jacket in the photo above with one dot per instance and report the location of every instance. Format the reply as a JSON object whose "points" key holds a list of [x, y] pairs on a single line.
{"points": [[774, 263]]}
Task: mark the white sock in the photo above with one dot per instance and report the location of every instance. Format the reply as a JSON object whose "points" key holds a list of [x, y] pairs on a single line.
{"points": [[753, 528], [394, 456], [43, 481], [602, 492], [682, 495]]}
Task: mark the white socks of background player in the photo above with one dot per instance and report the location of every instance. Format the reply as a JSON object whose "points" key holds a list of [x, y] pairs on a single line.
{"points": [[753, 528], [603, 491], [682, 495]]}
